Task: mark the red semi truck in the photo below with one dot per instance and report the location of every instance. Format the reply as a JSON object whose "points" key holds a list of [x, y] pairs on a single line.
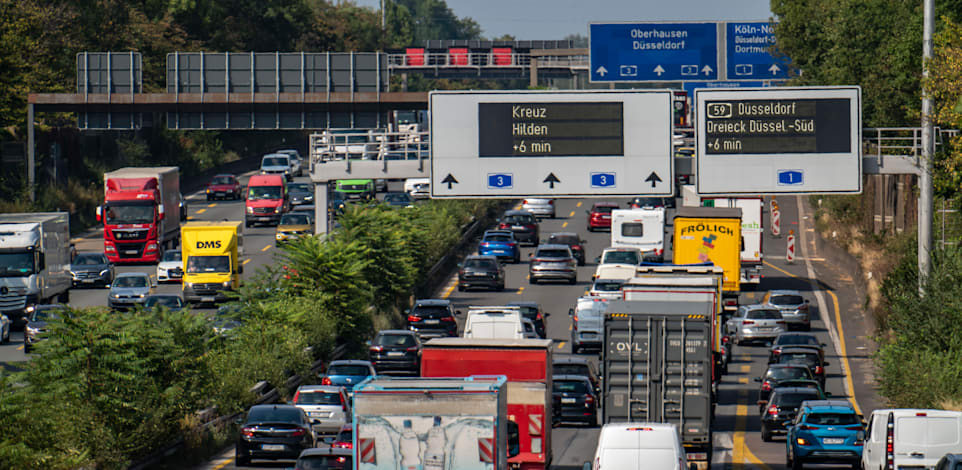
{"points": [[140, 213], [527, 365]]}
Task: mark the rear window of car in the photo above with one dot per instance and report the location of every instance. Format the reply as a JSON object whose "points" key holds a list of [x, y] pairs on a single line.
{"points": [[786, 300], [571, 386], [432, 311], [497, 238], [274, 415], [553, 254], [785, 373], [621, 257], [349, 369], [481, 264], [607, 286], [564, 239], [761, 314], [794, 399], [519, 219], [796, 339], [395, 340], [832, 418], [603, 209], [305, 397], [808, 359], [324, 462], [570, 369]]}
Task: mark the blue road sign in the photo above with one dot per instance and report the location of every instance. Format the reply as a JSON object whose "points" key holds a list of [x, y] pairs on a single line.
{"points": [[747, 52], [690, 87], [790, 177], [602, 180], [637, 52], [500, 180]]}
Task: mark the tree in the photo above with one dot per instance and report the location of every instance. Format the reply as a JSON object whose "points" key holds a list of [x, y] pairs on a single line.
{"points": [[945, 85]]}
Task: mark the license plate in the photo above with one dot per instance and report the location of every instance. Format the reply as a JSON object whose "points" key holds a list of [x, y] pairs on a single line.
{"points": [[130, 252], [517, 227], [432, 322], [606, 217], [319, 414], [272, 447], [833, 440], [207, 299], [501, 252], [88, 281], [395, 353], [568, 400], [765, 329]]}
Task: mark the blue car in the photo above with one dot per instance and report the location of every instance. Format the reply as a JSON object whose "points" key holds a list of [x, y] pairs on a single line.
{"points": [[825, 431], [500, 243], [347, 373]]}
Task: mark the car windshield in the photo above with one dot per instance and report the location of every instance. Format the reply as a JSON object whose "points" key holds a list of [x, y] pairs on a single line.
{"points": [[481, 264], [131, 281], [564, 239], [274, 414], [164, 301], [431, 311], [498, 238], [621, 257], [349, 369], [275, 161], [832, 418], [796, 339], [222, 180], [46, 314], [528, 311], [603, 209], [172, 255], [296, 219], [783, 299], [299, 188], [324, 462], [397, 197], [801, 358], [519, 219], [607, 286], [395, 340], [361, 186], [763, 314], [570, 369], [786, 373], [256, 193], [793, 399], [119, 214], [318, 397], [208, 264], [89, 260], [553, 254], [571, 386]]}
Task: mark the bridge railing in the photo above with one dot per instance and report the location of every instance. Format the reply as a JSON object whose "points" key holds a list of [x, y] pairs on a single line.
{"points": [[904, 141], [455, 60]]}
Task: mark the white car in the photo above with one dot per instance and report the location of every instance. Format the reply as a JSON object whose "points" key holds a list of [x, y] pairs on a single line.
{"points": [[418, 188], [171, 267], [618, 263], [297, 166]]}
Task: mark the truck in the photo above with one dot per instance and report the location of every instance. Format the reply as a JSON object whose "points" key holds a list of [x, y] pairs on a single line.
{"points": [[657, 367], [35, 255], [140, 213], [699, 283], [711, 235], [753, 227], [640, 228], [526, 363], [432, 424], [211, 254]]}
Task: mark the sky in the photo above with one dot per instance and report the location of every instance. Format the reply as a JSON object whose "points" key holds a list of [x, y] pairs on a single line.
{"points": [[555, 19]]}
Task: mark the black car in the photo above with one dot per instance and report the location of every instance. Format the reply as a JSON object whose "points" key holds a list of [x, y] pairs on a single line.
{"points": [[273, 432], [574, 400], [805, 356], [91, 270], [325, 458], [795, 340], [573, 240], [577, 366], [532, 311], [782, 407], [300, 193], [432, 318], [524, 225], [173, 302], [396, 351], [398, 199], [778, 373], [481, 271], [37, 323]]}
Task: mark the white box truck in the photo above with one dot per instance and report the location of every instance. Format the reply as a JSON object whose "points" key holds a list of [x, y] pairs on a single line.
{"points": [[35, 260], [640, 228]]}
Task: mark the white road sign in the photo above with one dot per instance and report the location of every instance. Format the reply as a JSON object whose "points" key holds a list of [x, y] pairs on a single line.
{"points": [[551, 143], [780, 140]]}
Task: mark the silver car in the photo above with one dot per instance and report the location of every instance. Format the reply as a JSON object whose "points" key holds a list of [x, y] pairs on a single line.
{"points": [[129, 290], [794, 307], [327, 406], [553, 262], [540, 207], [755, 323]]}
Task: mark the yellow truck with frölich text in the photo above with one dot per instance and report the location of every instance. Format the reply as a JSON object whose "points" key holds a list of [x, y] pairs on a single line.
{"points": [[711, 235]]}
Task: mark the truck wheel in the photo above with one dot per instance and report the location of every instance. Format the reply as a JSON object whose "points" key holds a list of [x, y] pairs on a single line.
{"points": [[532, 280], [460, 288], [64, 298], [243, 460], [575, 349], [573, 281], [766, 434]]}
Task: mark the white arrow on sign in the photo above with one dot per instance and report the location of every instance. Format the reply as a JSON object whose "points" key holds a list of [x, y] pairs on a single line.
{"points": [[774, 69], [707, 70], [601, 71], [659, 70]]}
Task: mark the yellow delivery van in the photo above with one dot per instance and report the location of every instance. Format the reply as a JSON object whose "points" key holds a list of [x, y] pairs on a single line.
{"points": [[211, 254], [710, 235]]}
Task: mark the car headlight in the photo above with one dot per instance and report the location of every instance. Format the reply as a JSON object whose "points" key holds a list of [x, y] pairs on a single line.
{"points": [[308, 198], [208, 190], [188, 285], [227, 285], [116, 296], [104, 272], [280, 236], [140, 296], [31, 331], [250, 210], [73, 274]]}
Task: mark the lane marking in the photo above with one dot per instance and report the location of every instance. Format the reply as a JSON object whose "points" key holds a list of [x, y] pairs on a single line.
{"points": [[743, 380], [564, 224], [248, 260], [268, 247], [449, 290], [562, 344], [20, 348], [578, 204], [779, 269], [224, 463], [740, 451], [843, 355], [572, 214], [201, 210], [520, 290], [212, 204], [745, 368]]}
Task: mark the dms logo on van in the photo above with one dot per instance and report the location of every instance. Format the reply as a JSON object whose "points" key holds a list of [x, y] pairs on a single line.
{"points": [[208, 244]]}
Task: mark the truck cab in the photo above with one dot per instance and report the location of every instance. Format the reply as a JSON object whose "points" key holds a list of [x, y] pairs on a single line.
{"points": [[141, 213], [211, 252], [35, 255]]}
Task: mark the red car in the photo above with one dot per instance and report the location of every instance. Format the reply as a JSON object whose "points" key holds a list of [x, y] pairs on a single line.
{"points": [[600, 215], [223, 187]]}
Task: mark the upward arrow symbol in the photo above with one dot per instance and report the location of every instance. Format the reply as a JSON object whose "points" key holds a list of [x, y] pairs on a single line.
{"points": [[551, 180], [449, 180]]}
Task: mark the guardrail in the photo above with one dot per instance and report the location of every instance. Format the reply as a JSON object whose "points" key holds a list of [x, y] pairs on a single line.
{"points": [[904, 141]]}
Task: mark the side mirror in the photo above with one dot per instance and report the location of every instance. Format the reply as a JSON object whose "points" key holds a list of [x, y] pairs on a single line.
{"points": [[100, 210], [42, 261], [761, 402], [571, 312], [546, 314], [407, 311], [315, 421], [457, 312], [823, 345], [828, 395], [598, 259], [825, 364], [586, 466], [758, 379], [240, 269], [239, 419], [530, 255], [153, 285], [807, 301], [368, 342]]}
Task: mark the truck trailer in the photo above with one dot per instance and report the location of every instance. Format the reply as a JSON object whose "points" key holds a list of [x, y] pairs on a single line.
{"points": [[526, 363], [752, 230], [711, 235], [657, 367], [211, 254], [140, 213], [35, 255], [432, 424]]}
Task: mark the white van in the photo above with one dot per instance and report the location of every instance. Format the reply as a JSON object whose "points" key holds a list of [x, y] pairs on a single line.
{"points": [[920, 438], [637, 446], [494, 322], [587, 323], [640, 228], [418, 188]]}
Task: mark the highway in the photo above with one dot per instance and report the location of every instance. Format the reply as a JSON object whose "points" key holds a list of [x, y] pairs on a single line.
{"points": [[736, 436]]}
